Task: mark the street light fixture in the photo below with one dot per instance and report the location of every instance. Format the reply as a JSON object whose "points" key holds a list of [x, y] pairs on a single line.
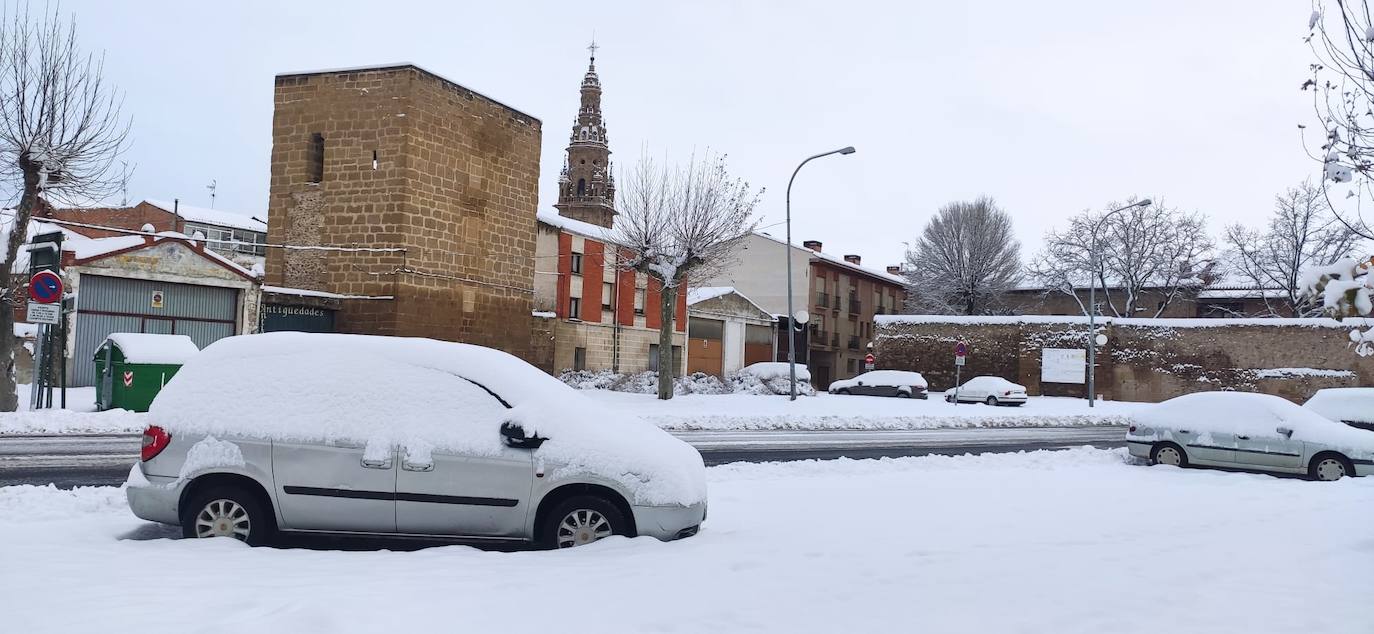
{"points": [[787, 252], [1092, 300]]}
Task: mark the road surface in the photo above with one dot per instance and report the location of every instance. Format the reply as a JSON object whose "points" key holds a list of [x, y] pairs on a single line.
{"points": [[104, 459]]}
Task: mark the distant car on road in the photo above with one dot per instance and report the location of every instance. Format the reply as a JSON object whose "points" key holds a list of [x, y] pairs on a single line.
{"points": [[1353, 406], [1257, 432], [897, 383], [382, 436], [993, 390]]}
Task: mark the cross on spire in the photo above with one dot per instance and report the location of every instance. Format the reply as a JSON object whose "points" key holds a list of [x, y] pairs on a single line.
{"points": [[592, 47]]}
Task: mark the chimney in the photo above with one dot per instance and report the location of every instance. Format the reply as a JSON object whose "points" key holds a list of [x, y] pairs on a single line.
{"points": [[894, 269], [814, 245], [852, 259]]}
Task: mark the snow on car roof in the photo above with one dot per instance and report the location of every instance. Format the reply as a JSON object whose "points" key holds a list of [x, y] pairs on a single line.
{"points": [[421, 395], [883, 378], [1354, 404], [1251, 414], [139, 347], [767, 370]]}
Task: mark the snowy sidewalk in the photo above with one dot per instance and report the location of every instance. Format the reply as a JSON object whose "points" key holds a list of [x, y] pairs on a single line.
{"points": [[1068, 541]]}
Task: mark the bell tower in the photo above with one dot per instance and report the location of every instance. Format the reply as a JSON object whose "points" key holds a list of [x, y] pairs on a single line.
{"points": [[586, 187]]}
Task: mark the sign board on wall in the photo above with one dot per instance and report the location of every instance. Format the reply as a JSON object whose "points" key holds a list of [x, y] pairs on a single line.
{"points": [[1063, 365]]}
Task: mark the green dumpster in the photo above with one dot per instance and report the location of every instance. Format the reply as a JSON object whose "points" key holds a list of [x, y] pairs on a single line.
{"points": [[131, 368]]}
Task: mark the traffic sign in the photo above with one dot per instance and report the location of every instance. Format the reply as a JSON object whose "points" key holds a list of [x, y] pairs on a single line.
{"points": [[961, 349], [45, 287], [868, 361], [44, 313]]}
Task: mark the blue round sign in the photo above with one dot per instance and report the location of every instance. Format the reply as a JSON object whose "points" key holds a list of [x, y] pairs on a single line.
{"points": [[45, 287], [961, 349]]}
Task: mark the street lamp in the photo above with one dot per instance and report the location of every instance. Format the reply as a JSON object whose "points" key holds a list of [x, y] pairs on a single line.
{"points": [[787, 252], [1092, 300]]}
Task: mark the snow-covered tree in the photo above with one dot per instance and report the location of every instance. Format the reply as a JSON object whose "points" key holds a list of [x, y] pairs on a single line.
{"points": [[964, 261], [1346, 290], [1301, 233], [1150, 247], [1341, 35], [680, 225], [60, 132]]}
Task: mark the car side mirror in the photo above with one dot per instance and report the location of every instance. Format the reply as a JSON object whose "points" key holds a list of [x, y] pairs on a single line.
{"points": [[514, 436], [861, 383], [1286, 432]]}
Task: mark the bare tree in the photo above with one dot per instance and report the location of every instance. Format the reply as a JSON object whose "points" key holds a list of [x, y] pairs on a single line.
{"points": [[1301, 233], [1143, 255], [964, 261], [60, 132], [1342, 85], [680, 225]]}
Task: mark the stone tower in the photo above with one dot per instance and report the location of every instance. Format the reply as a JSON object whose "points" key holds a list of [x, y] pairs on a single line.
{"points": [[586, 188]]}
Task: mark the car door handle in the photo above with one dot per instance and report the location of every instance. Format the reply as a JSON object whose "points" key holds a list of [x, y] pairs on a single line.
{"points": [[377, 464], [1242, 438], [1184, 431], [412, 466]]}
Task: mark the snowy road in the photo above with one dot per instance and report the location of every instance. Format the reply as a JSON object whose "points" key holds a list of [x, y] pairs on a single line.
{"points": [[104, 459]]}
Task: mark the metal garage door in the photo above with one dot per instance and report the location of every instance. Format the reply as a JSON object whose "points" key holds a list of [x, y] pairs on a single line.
{"points": [[107, 304]]}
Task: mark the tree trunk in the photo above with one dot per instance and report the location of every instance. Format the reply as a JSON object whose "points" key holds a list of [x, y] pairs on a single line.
{"points": [[667, 308], [9, 300]]}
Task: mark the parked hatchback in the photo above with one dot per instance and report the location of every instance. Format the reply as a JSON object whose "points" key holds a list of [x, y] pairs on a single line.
{"points": [[358, 435], [1257, 432], [993, 390], [897, 383]]}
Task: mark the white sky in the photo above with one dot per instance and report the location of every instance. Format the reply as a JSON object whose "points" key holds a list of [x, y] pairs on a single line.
{"points": [[1050, 107]]}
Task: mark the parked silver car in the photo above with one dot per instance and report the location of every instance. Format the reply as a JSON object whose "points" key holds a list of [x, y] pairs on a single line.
{"points": [[1258, 432], [331, 454], [992, 390], [898, 383]]}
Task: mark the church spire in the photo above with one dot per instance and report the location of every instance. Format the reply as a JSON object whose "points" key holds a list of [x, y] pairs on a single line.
{"points": [[587, 190]]}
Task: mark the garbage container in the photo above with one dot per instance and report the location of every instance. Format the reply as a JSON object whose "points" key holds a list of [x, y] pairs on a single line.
{"points": [[131, 368]]}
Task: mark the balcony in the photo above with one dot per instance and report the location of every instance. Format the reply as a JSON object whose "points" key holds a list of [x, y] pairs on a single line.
{"points": [[822, 300], [819, 337], [835, 340], [853, 342], [854, 307]]}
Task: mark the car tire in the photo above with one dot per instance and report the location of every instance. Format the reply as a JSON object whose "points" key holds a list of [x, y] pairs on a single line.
{"points": [[1328, 466], [1172, 455], [228, 511], [581, 520], [949, 399], [903, 394], [992, 400], [844, 392]]}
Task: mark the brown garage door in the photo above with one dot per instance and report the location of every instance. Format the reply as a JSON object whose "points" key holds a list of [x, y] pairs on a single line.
{"points": [[704, 350]]}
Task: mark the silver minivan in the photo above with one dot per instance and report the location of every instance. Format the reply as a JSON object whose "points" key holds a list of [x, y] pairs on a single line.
{"points": [[335, 456]]}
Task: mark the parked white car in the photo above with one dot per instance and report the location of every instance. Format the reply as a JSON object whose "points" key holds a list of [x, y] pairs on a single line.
{"points": [[993, 390], [1257, 432], [1353, 406], [357, 435], [899, 383]]}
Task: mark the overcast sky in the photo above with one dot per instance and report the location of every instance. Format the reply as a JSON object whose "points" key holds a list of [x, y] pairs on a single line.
{"points": [[1049, 107]]}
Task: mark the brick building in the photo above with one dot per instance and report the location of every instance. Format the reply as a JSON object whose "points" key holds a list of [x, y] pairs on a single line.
{"points": [[1215, 300], [844, 298], [238, 235], [396, 157], [597, 315]]}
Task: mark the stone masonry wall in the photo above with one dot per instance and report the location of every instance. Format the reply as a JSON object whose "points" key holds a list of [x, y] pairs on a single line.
{"points": [[1143, 359]]}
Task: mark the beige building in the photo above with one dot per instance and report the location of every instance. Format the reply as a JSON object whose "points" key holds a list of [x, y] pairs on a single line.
{"points": [[436, 183], [727, 331]]}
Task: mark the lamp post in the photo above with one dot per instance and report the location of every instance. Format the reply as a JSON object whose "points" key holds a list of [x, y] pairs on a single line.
{"points": [[787, 252], [1092, 301]]}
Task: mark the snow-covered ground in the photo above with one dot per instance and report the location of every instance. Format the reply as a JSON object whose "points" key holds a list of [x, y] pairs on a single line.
{"points": [[828, 411], [80, 416], [1069, 541]]}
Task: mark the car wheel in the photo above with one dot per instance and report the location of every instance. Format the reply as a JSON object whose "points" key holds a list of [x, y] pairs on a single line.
{"points": [[1168, 454], [1330, 466], [949, 399], [582, 520], [903, 394], [844, 392], [992, 400], [227, 511]]}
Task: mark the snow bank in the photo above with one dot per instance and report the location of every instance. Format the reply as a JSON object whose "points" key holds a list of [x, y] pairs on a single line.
{"points": [[29, 503], [57, 421], [417, 393], [1353, 404], [149, 348], [642, 382], [1162, 322]]}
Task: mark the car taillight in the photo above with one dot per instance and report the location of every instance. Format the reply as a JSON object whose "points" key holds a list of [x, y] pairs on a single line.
{"points": [[155, 439], [1131, 429]]}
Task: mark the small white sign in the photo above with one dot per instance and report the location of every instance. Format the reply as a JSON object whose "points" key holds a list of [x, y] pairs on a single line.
{"points": [[959, 360], [1063, 365], [45, 313]]}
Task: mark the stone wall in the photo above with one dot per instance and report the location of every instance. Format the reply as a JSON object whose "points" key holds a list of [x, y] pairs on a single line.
{"points": [[417, 162], [599, 342], [1143, 359]]}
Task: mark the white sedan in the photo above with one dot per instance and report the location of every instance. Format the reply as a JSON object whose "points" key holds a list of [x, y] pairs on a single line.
{"points": [[993, 390], [1257, 432], [897, 383]]}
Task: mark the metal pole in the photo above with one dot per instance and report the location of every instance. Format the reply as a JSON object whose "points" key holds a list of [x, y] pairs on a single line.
{"points": [[787, 253], [1092, 301]]}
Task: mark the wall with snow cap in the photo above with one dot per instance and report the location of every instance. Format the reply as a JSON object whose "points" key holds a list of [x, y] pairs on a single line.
{"points": [[1143, 359]]}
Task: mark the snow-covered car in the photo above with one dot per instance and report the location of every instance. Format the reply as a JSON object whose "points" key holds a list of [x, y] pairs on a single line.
{"points": [[1257, 432], [897, 383], [1353, 406], [350, 434], [993, 390]]}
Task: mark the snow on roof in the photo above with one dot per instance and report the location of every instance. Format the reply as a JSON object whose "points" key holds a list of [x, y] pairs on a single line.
{"points": [[86, 248], [421, 395], [584, 229], [302, 292], [703, 293], [149, 348], [1159, 322], [216, 217], [896, 279], [1220, 292]]}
